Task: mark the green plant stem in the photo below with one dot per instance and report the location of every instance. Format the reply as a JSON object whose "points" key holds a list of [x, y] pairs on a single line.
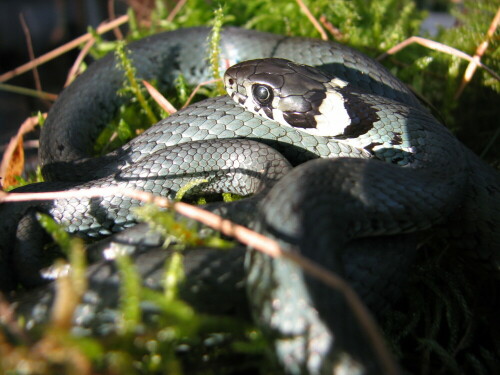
{"points": [[127, 66], [26, 91], [215, 47]]}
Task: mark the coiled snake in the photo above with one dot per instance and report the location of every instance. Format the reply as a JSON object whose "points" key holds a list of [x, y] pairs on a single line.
{"points": [[373, 171]]}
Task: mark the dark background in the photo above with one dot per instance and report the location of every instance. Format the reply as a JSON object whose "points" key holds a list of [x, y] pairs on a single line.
{"points": [[51, 23]]}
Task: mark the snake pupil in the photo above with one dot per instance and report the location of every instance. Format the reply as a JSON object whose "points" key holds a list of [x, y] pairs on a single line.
{"points": [[262, 94]]}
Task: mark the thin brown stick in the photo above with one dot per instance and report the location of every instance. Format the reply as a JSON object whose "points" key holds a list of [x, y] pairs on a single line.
{"points": [[142, 10], [159, 98], [197, 88], [245, 236], [334, 31], [31, 53], [62, 49], [176, 10], [313, 20], [76, 65], [112, 17], [480, 50], [437, 47], [27, 91]]}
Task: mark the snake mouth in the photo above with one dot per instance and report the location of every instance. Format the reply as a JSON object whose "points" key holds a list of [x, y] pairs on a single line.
{"points": [[237, 97], [233, 90]]}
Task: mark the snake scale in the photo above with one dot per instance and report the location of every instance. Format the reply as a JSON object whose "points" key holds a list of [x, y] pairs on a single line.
{"points": [[347, 168]]}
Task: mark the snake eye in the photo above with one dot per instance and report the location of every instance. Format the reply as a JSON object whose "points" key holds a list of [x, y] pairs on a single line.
{"points": [[262, 94]]}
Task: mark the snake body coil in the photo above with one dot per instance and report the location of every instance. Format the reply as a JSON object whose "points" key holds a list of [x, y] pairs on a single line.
{"points": [[375, 170]]}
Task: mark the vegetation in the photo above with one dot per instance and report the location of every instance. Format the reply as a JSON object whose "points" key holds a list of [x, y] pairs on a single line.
{"points": [[445, 324]]}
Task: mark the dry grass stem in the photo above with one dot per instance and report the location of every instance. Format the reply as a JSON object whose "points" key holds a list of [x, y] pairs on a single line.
{"points": [[335, 32], [31, 53], [313, 20], [27, 91], [180, 4], [209, 82], [73, 72], [245, 236], [142, 10], [62, 49], [159, 98], [471, 68], [437, 47], [112, 17]]}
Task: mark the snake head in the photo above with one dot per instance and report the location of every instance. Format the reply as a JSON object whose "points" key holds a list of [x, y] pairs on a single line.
{"points": [[291, 94]]}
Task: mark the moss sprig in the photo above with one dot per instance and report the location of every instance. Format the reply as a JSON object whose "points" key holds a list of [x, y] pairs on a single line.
{"points": [[214, 48], [126, 65], [130, 295], [177, 230]]}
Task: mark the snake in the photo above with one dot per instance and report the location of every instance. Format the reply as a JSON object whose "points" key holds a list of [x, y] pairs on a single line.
{"points": [[341, 162]]}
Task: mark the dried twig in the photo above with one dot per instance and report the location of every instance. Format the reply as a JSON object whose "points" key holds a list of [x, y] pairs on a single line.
{"points": [[336, 33], [313, 20], [159, 98], [245, 236], [142, 11], [27, 91], [31, 54], [62, 49], [176, 10], [112, 17], [197, 88], [73, 72], [437, 47], [471, 68]]}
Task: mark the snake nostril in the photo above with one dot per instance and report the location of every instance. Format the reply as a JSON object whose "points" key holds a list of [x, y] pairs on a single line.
{"points": [[231, 81]]}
